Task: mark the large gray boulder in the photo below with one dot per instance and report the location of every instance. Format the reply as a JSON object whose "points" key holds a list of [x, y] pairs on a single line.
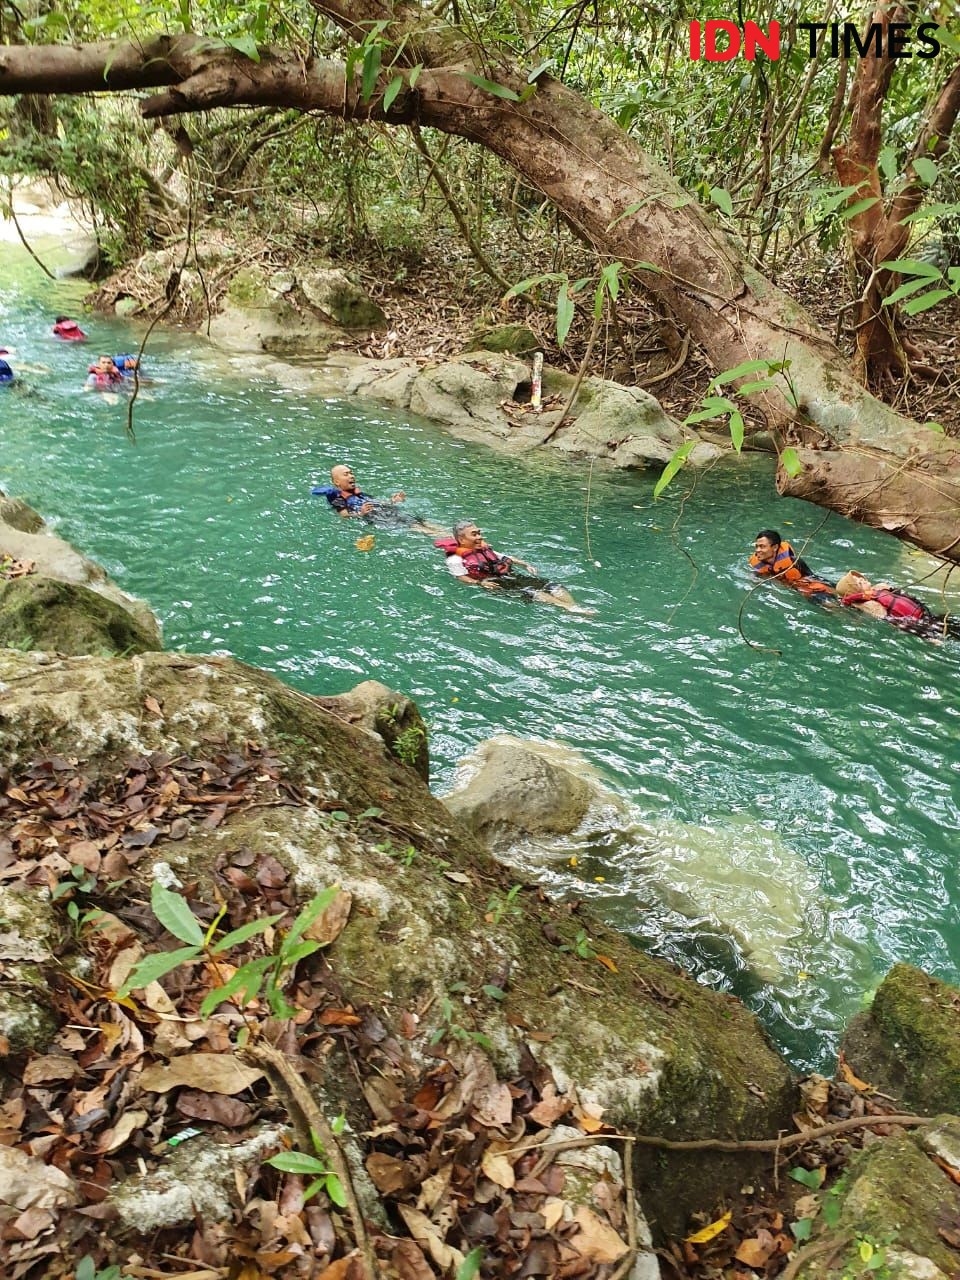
{"points": [[37, 612], [25, 536], [629, 425]]}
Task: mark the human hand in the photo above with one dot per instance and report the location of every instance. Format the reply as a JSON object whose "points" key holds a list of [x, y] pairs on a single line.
{"points": [[398, 497], [489, 585], [366, 508]]}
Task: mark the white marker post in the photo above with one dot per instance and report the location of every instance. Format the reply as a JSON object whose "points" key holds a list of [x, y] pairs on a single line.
{"points": [[536, 387]]}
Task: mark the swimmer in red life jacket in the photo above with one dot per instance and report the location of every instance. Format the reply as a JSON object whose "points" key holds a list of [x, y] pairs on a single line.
{"points": [[773, 557], [103, 376], [470, 559], [68, 330], [892, 605]]}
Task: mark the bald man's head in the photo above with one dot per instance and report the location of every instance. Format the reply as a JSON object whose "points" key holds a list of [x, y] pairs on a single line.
{"points": [[342, 476]]}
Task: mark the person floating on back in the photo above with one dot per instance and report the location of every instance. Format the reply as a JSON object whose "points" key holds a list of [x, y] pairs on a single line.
{"points": [[345, 497], [892, 605], [472, 560], [103, 376], [774, 557], [68, 330]]}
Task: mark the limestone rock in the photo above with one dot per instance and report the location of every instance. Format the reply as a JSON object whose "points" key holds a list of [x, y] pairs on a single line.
{"points": [[63, 617], [656, 1050], [257, 316], [29, 934], [908, 1042], [465, 394], [515, 339], [519, 788], [393, 717], [332, 292], [629, 424], [24, 536], [895, 1197]]}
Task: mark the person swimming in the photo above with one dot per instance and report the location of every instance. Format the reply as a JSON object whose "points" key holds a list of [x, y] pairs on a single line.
{"points": [[472, 560], [103, 376], [346, 497], [888, 603], [68, 330], [774, 557]]}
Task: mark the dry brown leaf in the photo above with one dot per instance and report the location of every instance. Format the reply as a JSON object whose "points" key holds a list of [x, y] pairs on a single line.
{"points": [[606, 962], [552, 1211], [861, 1086], [31, 1223], [28, 1183], [551, 1106], [365, 543], [428, 1236], [329, 923], [433, 1189], [153, 706], [128, 1123], [339, 1018], [807, 1207], [84, 853], [50, 1066], [409, 1261], [752, 1252], [230, 1112], [815, 1091], [389, 1174], [496, 1166], [493, 1104], [596, 1239], [211, 1072]]}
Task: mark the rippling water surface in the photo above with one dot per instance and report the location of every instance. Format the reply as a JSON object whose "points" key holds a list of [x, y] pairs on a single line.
{"points": [[793, 815]]}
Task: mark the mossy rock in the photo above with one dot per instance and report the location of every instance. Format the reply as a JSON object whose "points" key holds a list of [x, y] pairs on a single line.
{"points": [[37, 612], [513, 339], [908, 1042], [659, 1052], [18, 515], [332, 293], [893, 1198]]}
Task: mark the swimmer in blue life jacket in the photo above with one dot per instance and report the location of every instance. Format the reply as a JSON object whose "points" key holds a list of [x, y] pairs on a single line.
{"points": [[347, 499], [471, 560]]}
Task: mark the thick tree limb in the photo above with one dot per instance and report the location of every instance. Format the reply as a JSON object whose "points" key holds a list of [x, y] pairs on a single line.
{"points": [[860, 456]]}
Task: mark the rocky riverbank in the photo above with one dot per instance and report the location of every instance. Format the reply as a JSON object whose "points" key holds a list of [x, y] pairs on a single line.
{"points": [[494, 1054]]}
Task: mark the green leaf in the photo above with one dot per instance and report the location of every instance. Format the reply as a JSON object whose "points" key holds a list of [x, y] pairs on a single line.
{"points": [[153, 967], [244, 984], [246, 45], [926, 170], [391, 91], [831, 1210], [812, 1178], [299, 951], [565, 314], [858, 207], [246, 932], [802, 1229], [494, 992], [372, 812], [526, 285], [85, 1269], [414, 75], [371, 69], [721, 198], [865, 1250], [736, 430], [922, 282], [173, 912], [469, 1267], [537, 72], [335, 1191], [911, 267], [313, 908], [298, 1162], [628, 212], [887, 160], [740, 371], [748, 388], [678, 459], [835, 199], [498, 90], [610, 277], [936, 426], [926, 301], [790, 461]]}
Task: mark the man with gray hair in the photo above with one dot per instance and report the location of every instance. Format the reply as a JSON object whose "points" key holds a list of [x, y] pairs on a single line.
{"points": [[472, 560]]}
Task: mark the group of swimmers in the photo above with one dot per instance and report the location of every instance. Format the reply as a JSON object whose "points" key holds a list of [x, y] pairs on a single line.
{"points": [[110, 373], [774, 557]]}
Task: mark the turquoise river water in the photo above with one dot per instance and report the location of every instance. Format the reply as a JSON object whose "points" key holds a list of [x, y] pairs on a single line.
{"points": [[791, 821]]}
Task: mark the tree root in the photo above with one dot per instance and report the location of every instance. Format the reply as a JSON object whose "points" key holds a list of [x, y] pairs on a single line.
{"points": [[308, 1119]]}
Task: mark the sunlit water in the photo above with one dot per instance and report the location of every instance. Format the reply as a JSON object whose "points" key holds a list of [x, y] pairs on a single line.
{"points": [[812, 795]]}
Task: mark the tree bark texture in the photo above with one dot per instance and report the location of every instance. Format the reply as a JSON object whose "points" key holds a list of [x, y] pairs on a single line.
{"points": [[858, 454]]}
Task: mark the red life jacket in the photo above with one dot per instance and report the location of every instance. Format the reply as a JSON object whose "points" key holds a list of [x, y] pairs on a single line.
{"points": [[481, 562], [70, 331], [105, 378], [897, 604]]}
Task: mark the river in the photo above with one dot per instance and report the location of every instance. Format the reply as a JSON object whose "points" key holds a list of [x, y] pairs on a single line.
{"points": [[792, 819]]}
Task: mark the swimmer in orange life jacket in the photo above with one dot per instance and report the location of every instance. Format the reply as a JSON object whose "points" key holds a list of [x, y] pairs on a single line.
{"points": [[773, 557]]}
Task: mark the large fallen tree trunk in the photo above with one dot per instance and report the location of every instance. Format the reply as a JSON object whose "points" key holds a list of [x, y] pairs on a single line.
{"points": [[858, 456]]}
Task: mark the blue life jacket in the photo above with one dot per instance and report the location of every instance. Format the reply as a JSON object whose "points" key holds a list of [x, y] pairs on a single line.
{"points": [[120, 363], [352, 502], [6, 374]]}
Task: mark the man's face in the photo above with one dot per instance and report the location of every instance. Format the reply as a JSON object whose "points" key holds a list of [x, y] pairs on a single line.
{"points": [[105, 364], [766, 550], [471, 537], [344, 477]]}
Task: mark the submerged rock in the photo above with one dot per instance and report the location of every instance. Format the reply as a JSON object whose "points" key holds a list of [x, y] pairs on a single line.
{"points": [[908, 1042]]}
